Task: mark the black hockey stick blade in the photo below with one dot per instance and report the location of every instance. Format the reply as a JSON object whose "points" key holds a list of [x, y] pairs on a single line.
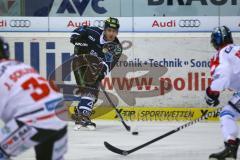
{"points": [[127, 152], [128, 128], [115, 150]]}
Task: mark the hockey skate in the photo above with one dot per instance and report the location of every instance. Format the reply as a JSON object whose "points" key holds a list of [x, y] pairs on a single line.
{"points": [[229, 153], [83, 122]]}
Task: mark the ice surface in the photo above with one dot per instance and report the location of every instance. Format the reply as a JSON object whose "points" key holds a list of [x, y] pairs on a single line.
{"points": [[193, 143]]}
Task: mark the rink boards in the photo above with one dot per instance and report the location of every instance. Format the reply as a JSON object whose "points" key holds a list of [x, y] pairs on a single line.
{"points": [[173, 92], [151, 113]]}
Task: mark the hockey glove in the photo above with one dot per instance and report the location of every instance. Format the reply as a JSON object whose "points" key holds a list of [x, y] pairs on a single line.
{"points": [[74, 38], [104, 71], [211, 97], [78, 38]]}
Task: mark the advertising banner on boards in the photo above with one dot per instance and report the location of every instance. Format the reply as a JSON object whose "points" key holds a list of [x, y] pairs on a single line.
{"points": [[68, 24], [23, 24], [171, 71], [127, 24]]}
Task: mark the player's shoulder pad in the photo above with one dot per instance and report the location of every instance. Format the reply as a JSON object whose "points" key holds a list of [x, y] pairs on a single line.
{"points": [[5, 63], [227, 49], [225, 55], [80, 29], [95, 30], [89, 30]]}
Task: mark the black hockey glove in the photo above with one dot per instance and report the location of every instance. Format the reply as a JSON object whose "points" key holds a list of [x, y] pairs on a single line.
{"points": [[104, 71], [74, 38], [78, 38], [211, 97]]}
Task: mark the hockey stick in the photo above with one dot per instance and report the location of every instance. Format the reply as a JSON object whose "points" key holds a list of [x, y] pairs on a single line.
{"points": [[89, 59], [128, 128], [127, 152]]}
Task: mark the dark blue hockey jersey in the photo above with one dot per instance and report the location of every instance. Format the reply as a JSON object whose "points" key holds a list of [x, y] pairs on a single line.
{"points": [[89, 40]]}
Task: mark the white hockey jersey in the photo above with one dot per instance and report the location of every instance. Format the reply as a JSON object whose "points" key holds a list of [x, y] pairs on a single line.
{"points": [[225, 69], [25, 95]]}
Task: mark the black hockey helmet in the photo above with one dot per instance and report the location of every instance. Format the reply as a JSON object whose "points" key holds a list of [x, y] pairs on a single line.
{"points": [[221, 36], [111, 23], [4, 49]]}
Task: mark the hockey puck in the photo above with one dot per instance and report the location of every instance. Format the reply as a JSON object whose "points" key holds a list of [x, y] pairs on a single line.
{"points": [[135, 133]]}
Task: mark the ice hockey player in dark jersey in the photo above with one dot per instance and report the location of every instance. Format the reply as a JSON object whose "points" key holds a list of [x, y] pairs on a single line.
{"points": [[96, 53]]}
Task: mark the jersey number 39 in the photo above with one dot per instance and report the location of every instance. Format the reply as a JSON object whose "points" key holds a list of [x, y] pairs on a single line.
{"points": [[40, 86]]}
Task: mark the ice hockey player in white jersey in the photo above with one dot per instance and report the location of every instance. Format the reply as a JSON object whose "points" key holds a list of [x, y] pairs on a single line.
{"points": [[225, 72], [29, 108]]}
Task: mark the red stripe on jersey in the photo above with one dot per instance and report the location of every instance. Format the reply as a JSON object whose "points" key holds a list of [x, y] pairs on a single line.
{"points": [[47, 116], [214, 63]]}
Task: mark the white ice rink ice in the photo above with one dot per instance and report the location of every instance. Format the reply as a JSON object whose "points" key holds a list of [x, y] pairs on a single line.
{"points": [[193, 143]]}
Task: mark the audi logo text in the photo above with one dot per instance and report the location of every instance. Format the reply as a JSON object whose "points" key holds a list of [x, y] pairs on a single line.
{"points": [[20, 23], [189, 23], [95, 23]]}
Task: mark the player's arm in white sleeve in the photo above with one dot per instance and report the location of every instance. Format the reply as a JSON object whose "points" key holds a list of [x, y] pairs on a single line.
{"points": [[221, 77]]}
